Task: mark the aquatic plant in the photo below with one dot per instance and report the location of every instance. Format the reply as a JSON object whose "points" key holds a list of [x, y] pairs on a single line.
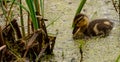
{"points": [[118, 59], [30, 45]]}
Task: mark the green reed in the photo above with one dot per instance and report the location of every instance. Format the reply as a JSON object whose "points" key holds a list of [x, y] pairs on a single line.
{"points": [[32, 13]]}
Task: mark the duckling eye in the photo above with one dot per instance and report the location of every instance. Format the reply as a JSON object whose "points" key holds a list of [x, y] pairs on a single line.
{"points": [[81, 21], [78, 20]]}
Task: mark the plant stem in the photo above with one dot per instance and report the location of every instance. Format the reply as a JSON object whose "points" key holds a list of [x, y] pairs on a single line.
{"points": [[32, 14], [118, 59], [37, 7], [42, 7], [80, 6], [22, 22], [114, 6]]}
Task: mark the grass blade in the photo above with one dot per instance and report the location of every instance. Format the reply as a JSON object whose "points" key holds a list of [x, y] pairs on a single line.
{"points": [[32, 13], [118, 59], [21, 6], [22, 22], [80, 6], [54, 20], [37, 7], [42, 7]]}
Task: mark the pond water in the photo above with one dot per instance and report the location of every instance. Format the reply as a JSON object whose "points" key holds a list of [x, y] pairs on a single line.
{"points": [[96, 49]]}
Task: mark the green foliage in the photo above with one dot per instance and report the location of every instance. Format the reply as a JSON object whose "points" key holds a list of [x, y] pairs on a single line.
{"points": [[80, 6], [32, 13], [23, 7], [82, 43], [118, 59]]}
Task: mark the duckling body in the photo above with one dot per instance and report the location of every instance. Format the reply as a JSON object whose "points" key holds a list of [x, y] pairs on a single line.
{"points": [[80, 24], [99, 27], [85, 29]]}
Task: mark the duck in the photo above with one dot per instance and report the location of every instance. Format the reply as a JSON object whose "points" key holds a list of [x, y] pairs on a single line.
{"points": [[84, 28], [99, 27], [80, 24]]}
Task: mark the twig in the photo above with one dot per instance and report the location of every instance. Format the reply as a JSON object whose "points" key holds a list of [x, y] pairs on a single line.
{"points": [[41, 52], [1, 37], [2, 47], [114, 6], [32, 39], [81, 52]]}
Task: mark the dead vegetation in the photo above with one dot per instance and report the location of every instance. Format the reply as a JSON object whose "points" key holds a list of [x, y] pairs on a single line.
{"points": [[14, 46]]}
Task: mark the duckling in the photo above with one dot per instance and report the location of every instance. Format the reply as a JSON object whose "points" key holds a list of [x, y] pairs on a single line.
{"points": [[99, 27], [80, 24]]}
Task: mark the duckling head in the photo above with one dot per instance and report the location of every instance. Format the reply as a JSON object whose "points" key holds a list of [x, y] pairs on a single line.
{"points": [[80, 24]]}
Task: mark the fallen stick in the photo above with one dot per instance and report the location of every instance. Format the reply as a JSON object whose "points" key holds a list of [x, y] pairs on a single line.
{"points": [[2, 47]]}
